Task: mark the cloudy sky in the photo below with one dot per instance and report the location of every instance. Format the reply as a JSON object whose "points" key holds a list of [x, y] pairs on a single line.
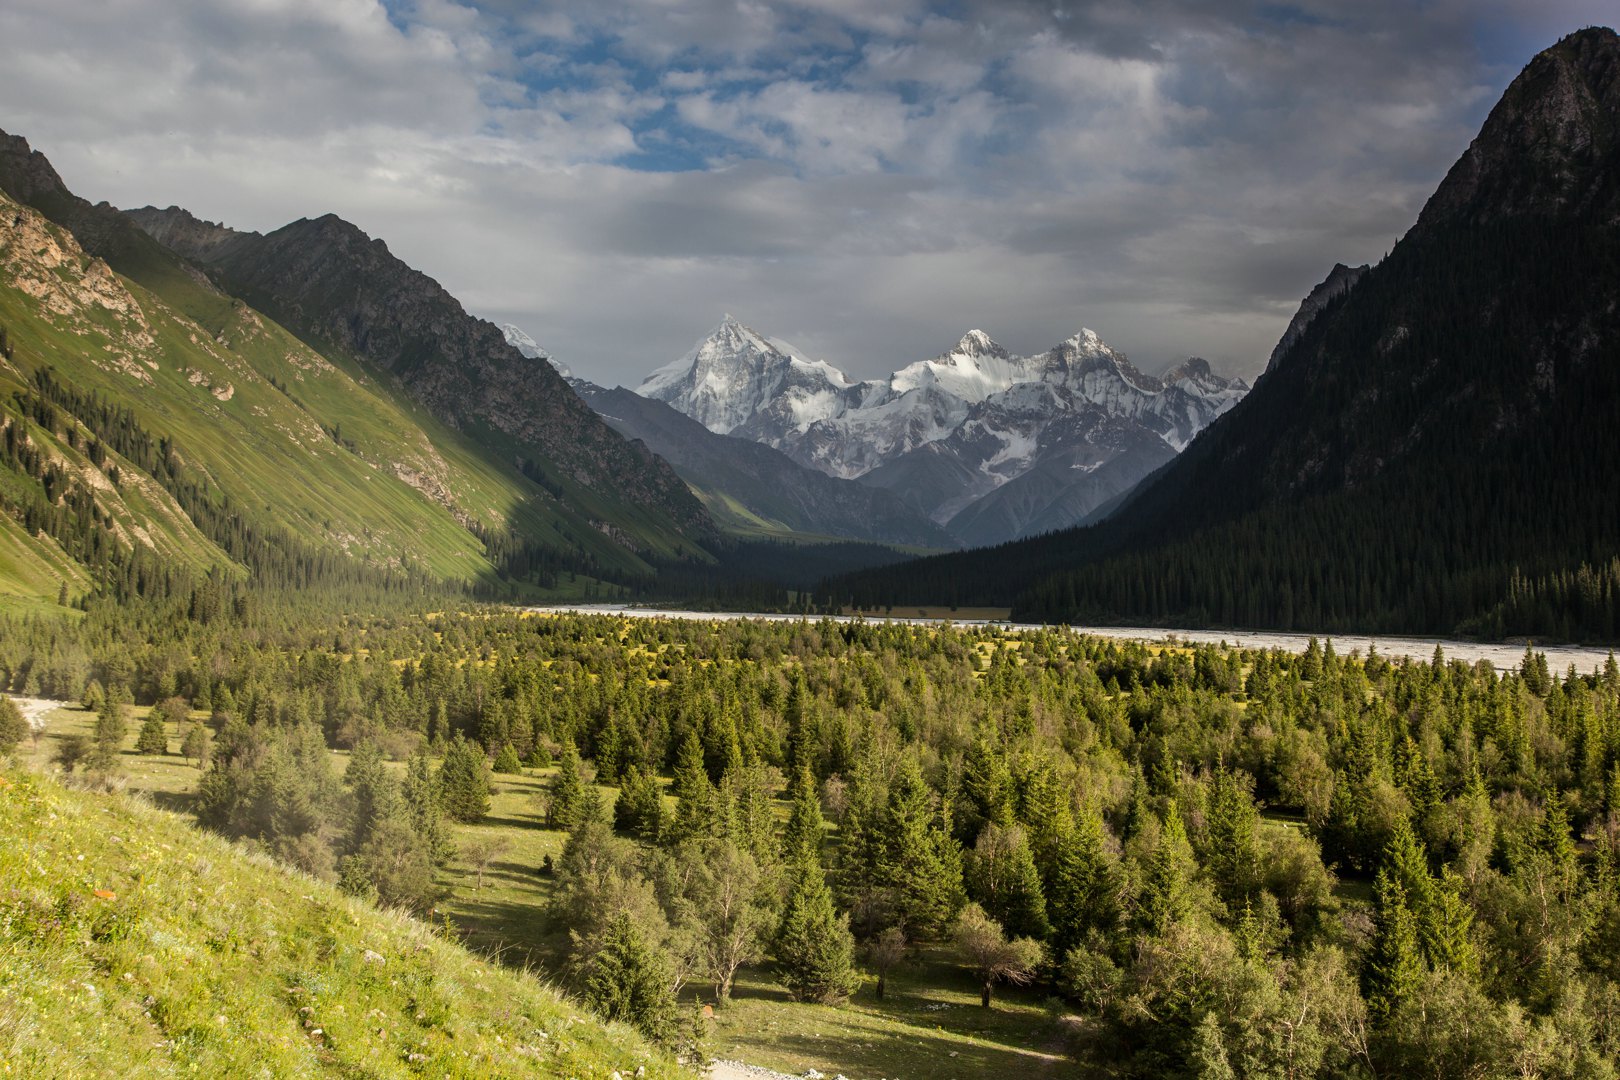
{"points": [[866, 179]]}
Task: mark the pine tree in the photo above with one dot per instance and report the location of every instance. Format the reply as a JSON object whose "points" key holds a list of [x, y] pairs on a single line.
{"points": [[152, 739], [922, 863], [1394, 968], [110, 730], [464, 781], [565, 796], [813, 949], [801, 841], [420, 792], [987, 789], [1085, 885], [507, 761], [694, 793], [1167, 890], [1001, 876], [639, 809], [628, 979], [1233, 858]]}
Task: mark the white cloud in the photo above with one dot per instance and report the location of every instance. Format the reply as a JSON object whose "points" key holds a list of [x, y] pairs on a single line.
{"points": [[865, 179]]}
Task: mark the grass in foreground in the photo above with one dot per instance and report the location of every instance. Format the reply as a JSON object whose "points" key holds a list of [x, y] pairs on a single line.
{"points": [[133, 944], [929, 1025]]}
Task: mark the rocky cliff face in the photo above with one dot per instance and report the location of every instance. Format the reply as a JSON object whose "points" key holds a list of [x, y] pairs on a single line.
{"points": [[1550, 145], [327, 279]]}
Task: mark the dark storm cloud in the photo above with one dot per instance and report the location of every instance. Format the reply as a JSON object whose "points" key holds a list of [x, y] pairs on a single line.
{"points": [[864, 180]]}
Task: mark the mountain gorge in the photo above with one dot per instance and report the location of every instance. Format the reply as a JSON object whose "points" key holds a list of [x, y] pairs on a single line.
{"points": [[986, 444], [1433, 445]]}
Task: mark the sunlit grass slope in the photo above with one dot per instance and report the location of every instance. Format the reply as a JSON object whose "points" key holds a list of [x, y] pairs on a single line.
{"points": [[132, 944]]}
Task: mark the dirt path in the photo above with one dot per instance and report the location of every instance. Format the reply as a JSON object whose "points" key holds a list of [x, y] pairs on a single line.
{"points": [[736, 1070], [34, 709]]}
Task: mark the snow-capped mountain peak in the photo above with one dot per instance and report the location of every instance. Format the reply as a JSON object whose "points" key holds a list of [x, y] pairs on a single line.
{"points": [[945, 433], [519, 339], [736, 372], [977, 343], [523, 343]]}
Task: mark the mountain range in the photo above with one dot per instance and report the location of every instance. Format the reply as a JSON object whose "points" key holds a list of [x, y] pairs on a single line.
{"points": [[1433, 445], [987, 445], [301, 404]]}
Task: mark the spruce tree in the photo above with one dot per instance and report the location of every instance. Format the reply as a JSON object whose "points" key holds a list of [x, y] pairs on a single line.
{"points": [[109, 734], [1001, 876], [1085, 885], [420, 792], [813, 949], [464, 781], [801, 840], [694, 793], [1233, 856], [152, 739], [628, 979], [1167, 891], [507, 761], [922, 863], [1394, 967], [565, 795], [639, 809]]}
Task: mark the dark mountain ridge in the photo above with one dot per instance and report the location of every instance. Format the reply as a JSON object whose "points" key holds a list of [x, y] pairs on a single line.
{"points": [[325, 278], [764, 481], [1433, 450]]}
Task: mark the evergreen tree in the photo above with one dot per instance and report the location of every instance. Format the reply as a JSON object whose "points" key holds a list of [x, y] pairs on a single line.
{"points": [[922, 863], [507, 761], [813, 949], [801, 841], [464, 781], [1085, 885], [13, 727], [420, 792], [373, 788], [1167, 888], [108, 738], [152, 739], [1001, 876], [693, 791], [565, 796], [1394, 967], [628, 979], [1233, 855], [639, 809]]}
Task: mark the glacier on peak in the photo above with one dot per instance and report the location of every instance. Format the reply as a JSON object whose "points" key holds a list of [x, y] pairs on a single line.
{"points": [[945, 434], [519, 339]]}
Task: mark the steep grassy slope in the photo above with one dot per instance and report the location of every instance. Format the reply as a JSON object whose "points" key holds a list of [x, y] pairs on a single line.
{"points": [[285, 437], [344, 291], [134, 945]]}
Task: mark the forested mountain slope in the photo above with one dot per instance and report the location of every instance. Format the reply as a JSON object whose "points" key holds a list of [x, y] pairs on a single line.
{"points": [[158, 427], [1434, 451]]}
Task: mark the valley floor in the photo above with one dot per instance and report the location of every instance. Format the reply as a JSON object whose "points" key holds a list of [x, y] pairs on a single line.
{"points": [[929, 1024]]}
